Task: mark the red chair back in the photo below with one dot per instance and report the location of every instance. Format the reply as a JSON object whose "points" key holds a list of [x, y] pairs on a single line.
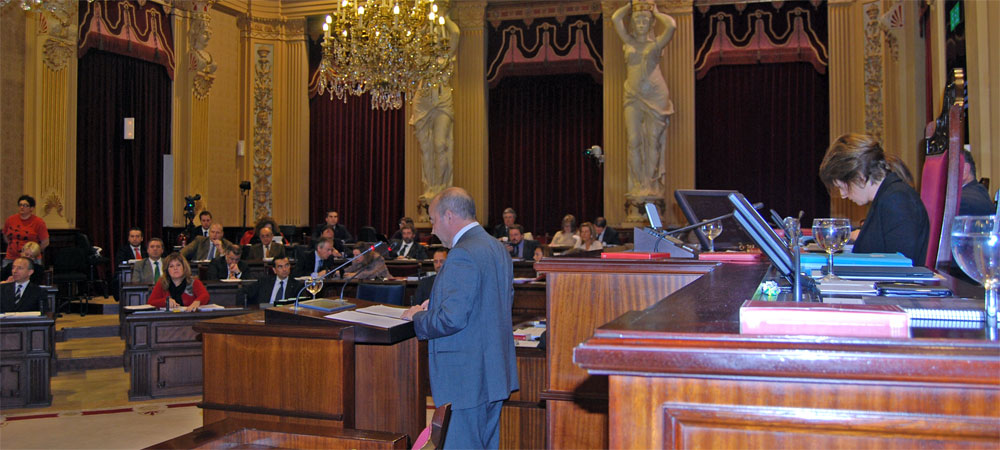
{"points": [[941, 178]]}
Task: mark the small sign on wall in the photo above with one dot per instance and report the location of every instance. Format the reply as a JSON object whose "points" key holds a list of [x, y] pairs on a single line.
{"points": [[129, 128]]}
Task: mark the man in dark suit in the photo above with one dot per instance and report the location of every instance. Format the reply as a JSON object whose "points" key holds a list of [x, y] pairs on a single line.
{"points": [[501, 231], [518, 246], [605, 234], [340, 232], [228, 267], [425, 284], [407, 247], [975, 199], [150, 268], [21, 294], [318, 262], [206, 248], [266, 248], [274, 287], [133, 250], [467, 323]]}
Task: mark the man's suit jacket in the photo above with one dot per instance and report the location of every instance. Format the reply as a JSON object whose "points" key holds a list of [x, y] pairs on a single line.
{"points": [[125, 253], [260, 292], [468, 324], [610, 237], [256, 251], [417, 251], [218, 269], [529, 249], [424, 287], [339, 232], [304, 266], [501, 231], [142, 271], [32, 298], [197, 250]]}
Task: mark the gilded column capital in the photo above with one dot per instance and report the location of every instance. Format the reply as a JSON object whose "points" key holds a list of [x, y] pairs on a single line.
{"points": [[471, 15], [271, 28], [676, 7], [58, 24]]}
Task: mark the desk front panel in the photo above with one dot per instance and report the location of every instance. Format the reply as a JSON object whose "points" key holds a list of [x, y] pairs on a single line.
{"points": [[26, 353]]}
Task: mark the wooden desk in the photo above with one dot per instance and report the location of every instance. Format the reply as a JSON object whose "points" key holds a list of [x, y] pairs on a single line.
{"points": [[163, 352], [387, 394], [231, 433], [221, 293], [584, 293], [27, 347], [682, 376]]}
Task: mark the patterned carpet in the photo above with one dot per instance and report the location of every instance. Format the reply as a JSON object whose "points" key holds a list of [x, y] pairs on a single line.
{"points": [[136, 426]]}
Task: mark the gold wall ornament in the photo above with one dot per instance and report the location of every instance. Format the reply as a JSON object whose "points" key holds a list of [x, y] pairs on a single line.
{"points": [[263, 129], [52, 202], [201, 62], [384, 49], [57, 21], [874, 69], [56, 54]]}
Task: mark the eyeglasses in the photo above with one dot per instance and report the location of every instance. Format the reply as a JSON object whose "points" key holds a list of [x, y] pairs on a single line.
{"points": [[24, 205]]}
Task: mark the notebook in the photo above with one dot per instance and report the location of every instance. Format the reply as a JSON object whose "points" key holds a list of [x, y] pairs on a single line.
{"points": [[961, 309]]}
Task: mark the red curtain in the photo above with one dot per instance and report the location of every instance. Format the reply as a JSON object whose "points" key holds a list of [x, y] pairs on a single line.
{"points": [[539, 127], [119, 183], [763, 130], [356, 163]]}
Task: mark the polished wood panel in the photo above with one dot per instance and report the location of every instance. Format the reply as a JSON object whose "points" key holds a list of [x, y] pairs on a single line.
{"points": [[231, 433], [582, 294], [26, 356], [281, 371], [681, 375], [522, 422], [163, 352]]}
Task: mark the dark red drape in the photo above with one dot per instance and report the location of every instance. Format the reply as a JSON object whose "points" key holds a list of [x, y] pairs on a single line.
{"points": [[539, 127], [762, 130], [120, 182], [356, 157]]}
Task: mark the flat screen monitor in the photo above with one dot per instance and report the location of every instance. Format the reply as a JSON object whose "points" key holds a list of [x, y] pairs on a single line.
{"points": [[769, 242], [704, 204]]}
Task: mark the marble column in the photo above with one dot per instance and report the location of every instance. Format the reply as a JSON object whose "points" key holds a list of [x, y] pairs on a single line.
{"points": [[471, 154]]}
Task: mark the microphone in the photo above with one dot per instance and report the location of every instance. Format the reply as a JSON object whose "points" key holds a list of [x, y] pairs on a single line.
{"points": [[376, 246]]}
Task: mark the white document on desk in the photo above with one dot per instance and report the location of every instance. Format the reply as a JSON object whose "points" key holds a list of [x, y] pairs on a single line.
{"points": [[383, 310], [366, 319]]}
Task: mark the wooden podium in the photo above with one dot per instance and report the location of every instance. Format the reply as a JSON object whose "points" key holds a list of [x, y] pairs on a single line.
{"points": [[280, 365]]}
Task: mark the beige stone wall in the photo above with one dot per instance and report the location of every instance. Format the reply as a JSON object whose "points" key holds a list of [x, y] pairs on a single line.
{"points": [[12, 23]]}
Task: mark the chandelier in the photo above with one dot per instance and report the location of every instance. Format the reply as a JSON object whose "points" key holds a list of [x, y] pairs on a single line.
{"points": [[386, 48], [37, 5]]}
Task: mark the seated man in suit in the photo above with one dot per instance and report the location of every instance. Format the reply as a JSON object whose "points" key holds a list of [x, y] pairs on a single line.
{"points": [[133, 250], [328, 232], [205, 217], [399, 233], [317, 262], [501, 231], [605, 234], [975, 199], [340, 231], [275, 287], [267, 248], [425, 284], [20, 294], [228, 267], [407, 247], [206, 248], [150, 268], [518, 246]]}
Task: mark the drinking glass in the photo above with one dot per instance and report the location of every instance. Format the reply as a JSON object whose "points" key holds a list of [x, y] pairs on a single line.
{"points": [[712, 230], [314, 285], [975, 242], [831, 234]]}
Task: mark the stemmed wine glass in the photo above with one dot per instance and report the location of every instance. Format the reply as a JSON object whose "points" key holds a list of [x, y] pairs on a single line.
{"points": [[314, 285], [831, 234], [712, 230], [975, 242]]}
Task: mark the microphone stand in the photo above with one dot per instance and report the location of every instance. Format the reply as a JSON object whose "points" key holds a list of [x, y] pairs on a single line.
{"points": [[665, 234], [345, 264]]}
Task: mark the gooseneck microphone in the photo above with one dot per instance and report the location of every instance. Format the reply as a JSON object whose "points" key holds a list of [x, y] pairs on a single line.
{"points": [[377, 246]]}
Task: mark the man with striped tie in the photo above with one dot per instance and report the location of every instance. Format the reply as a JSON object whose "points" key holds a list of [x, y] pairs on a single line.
{"points": [[20, 294]]}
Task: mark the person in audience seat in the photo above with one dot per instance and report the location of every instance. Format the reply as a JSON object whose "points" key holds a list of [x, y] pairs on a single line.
{"points": [[133, 250], [368, 267], [328, 232], [317, 263], [340, 231], [517, 245], [274, 287], [607, 235], [502, 230], [207, 248], [177, 288], [588, 235], [19, 293], [856, 167], [33, 252], [267, 248], [976, 199], [228, 267], [150, 268], [399, 233], [425, 284], [566, 237], [407, 247]]}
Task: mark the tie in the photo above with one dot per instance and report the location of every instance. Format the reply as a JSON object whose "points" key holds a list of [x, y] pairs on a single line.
{"points": [[211, 250], [265, 249], [318, 264], [281, 292], [137, 254], [406, 249], [17, 294], [156, 270], [204, 232]]}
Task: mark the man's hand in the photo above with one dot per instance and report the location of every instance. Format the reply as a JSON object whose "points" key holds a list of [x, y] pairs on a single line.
{"points": [[408, 314], [234, 270], [218, 247]]}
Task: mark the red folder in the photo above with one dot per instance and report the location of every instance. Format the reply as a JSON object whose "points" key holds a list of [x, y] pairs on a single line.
{"points": [[823, 319], [634, 255]]}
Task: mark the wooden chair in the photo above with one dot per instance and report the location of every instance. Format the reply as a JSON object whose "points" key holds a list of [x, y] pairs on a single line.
{"points": [[438, 430], [941, 178]]}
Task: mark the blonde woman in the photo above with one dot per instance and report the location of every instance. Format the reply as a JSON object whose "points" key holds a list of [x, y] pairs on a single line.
{"points": [[588, 238], [567, 236]]}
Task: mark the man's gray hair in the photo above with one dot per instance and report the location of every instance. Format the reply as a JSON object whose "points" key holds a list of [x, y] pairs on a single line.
{"points": [[459, 202]]}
